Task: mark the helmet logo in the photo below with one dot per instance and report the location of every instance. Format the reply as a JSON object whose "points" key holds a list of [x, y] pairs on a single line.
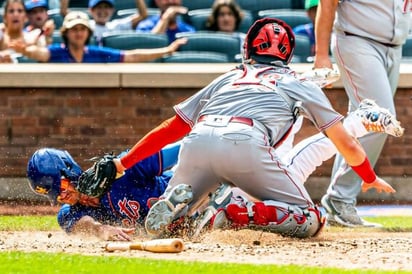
{"points": [[41, 190]]}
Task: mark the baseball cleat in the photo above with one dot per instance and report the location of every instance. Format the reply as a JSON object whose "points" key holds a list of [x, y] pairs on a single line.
{"points": [[344, 214], [377, 119], [165, 211], [214, 215]]}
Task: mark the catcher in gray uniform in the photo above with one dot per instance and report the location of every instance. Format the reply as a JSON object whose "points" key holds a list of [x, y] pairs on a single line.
{"points": [[367, 45], [237, 122], [231, 131]]}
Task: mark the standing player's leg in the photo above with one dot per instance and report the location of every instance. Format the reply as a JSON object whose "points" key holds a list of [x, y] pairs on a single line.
{"points": [[364, 71]]}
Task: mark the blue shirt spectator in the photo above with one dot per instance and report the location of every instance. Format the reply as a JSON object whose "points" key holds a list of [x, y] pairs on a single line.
{"points": [[307, 30], [149, 23], [92, 54], [76, 33], [167, 21]]}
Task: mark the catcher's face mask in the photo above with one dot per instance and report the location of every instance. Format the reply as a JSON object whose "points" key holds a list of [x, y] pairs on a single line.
{"points": [[269, 40]]}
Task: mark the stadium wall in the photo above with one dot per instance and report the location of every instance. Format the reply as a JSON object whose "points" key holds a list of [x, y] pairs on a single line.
{"points": [[90, 110]]}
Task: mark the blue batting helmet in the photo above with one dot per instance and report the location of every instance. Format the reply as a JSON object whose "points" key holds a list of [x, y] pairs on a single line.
{"points": [[45, 169]]}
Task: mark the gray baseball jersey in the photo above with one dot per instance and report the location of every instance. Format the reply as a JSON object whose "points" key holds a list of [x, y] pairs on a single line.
{"points": [[366, 44], [240, 93], [385, 21], [218, 150]]}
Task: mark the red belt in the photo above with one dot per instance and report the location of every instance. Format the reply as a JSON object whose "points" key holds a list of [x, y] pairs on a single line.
{"points": [[233, 119]]}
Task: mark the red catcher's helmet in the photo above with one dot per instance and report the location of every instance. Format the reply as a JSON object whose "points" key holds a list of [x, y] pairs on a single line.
{"points": [[268, 40]]}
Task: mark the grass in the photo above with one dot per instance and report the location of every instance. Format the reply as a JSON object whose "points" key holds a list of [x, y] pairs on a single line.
{"points": [[28, 223], [42, 262], [19, 262], [393, 223]]}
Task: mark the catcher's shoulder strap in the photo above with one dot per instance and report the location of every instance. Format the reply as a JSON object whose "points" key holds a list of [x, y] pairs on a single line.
{"points": [[252, 76]]}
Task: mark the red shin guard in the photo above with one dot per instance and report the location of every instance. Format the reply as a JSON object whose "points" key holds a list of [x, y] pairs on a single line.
{"points": [[258, 213]]}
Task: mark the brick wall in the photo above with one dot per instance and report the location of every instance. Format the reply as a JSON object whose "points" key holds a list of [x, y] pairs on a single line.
{"points": [[92, 121]]}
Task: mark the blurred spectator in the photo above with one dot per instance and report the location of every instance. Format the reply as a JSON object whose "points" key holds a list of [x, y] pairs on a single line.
{"points": [[168, 21], [76, 33], [39, 19], [12, 30], [226, 17], [311, 7], [65, 5], [102, 12]]}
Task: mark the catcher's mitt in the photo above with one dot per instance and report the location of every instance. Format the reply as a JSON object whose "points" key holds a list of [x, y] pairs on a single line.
{"points": [[98, 179]]}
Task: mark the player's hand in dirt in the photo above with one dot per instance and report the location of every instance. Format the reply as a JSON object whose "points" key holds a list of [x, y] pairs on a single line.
{"points": [[380, 185], [112, 233]]}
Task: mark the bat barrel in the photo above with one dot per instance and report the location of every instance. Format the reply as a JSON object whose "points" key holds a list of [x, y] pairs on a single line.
{"points": [[173, 245]]}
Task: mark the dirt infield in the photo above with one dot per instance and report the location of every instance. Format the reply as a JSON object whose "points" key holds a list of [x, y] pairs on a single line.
{"points": [[342, 248], [347, 249]]}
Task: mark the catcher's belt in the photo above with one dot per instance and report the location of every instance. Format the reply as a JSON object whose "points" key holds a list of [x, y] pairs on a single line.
{"points": [[218, 119]]}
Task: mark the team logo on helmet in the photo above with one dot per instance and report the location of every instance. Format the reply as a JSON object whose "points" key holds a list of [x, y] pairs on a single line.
{"points": [[41, 190], [269, 40]]}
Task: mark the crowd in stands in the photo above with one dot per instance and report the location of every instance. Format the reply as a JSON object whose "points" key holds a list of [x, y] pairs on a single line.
{"points": [[77, 32], [38, 26]]}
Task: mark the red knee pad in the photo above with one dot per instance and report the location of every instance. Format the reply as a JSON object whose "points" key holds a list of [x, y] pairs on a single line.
{"points": [[237, 214], [264, 214], [259, 214]]}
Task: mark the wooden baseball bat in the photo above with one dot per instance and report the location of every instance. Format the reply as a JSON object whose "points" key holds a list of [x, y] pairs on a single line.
{"points": [[173, 245]]}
